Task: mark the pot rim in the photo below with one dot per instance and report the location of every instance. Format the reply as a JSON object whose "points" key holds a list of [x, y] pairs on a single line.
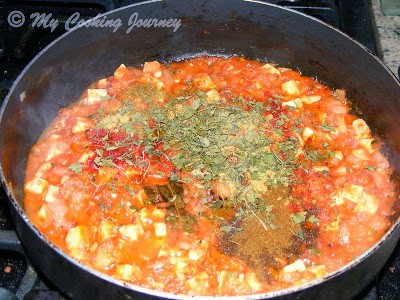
{"points": [[135, 288]]}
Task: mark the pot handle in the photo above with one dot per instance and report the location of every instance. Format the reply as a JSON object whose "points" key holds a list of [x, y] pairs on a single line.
{"points": [[9, 241]]}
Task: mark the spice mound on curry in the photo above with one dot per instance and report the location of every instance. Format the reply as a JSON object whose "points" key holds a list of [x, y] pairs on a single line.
{"points": [[210, 176]]}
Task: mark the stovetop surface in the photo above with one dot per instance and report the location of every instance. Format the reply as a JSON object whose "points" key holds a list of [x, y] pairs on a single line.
{"points": [[19, 45]]}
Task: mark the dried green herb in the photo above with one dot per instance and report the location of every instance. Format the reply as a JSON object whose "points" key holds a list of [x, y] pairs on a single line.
{"points": [[76, 168]]}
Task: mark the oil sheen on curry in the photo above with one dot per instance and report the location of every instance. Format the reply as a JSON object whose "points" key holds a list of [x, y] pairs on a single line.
{"points": [[210, 176]]}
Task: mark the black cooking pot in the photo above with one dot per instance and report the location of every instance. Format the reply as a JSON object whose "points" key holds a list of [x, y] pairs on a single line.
{"points": [[256, 30]]}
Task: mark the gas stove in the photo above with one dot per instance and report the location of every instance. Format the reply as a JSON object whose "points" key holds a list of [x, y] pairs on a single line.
{"points": [[19, 43]]}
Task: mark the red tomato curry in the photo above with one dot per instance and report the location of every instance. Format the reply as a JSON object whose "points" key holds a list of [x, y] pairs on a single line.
{"points": [[210, 176]]}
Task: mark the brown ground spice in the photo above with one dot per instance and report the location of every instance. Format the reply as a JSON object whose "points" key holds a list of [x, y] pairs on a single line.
{"points": [[264, 249]]}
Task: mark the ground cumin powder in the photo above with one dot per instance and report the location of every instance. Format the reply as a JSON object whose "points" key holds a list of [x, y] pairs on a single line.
{"points": [[264, 249]]}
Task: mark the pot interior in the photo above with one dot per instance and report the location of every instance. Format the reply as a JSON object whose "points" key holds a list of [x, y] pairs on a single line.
{"points": [[58, 76]]}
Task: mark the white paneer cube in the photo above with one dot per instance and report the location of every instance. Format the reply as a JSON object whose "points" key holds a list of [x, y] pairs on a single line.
{"points": [[320, 169], [229, 277], [81, 124], [298, 265], [153, 67], [299, 152], [204, 82], [126, 272], [337, 199], [160, 229], [64, 179], [53, 152], [298, 102], [340, 171], [131, 232], [180, 263], [197, 282], [321, 116], [42, 169], [142, 196], [158, 83], [96, 95], [180, 266], [352, 192], [132, 172], [213, 95], [367, 144], [328, 136], [56, 146], [145, 216], [223, 277], [290, 104], [106, 230], [360, 154], [164, 251], [159, 213], [106, 173], [253, 281], [360, 128], [77, 241], [308, 133], [290, 87], [85, 156], [294, 103], [42, 213], [119, 73], [334, 225], [194, 254], [338, 155], [341, 126], [369, 203], [310, 99], [52, 193], [271, 69], [36, 185], [102, 83], [318, 270]]}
